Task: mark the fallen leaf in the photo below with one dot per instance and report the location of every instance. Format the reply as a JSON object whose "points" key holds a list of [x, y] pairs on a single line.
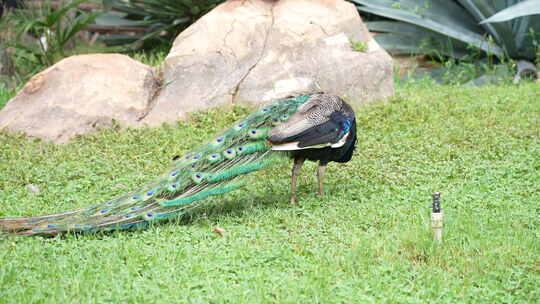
{"points": [[219, 231]]}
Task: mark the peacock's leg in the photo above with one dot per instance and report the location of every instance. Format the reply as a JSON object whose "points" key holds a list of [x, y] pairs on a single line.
{"points": [[320, 176], [297, 166]]}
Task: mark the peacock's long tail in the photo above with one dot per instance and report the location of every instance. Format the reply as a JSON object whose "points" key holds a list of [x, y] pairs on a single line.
{"points": [[211, 169]]}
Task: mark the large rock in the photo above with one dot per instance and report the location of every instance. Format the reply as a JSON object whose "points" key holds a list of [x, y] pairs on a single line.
{"points": [[254, 52], [248, 52], [79, 94]]}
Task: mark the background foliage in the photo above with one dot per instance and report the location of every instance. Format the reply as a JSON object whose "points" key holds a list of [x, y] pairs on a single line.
{"points": [[445, 30]]}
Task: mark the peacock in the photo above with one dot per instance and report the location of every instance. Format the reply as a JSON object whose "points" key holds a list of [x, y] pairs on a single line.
{"points": [[317, 127]]}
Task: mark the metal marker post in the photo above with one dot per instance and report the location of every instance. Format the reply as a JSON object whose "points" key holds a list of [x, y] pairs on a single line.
{"points": [[437, 217]]}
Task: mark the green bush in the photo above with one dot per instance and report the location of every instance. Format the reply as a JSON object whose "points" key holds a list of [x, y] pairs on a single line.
{"points": [[41, 36]]}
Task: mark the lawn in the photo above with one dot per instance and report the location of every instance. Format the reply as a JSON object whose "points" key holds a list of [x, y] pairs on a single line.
{"points": [[366, 241]]}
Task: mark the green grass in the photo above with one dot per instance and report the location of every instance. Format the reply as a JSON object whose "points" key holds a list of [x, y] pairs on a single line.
{"points": [[5, 95], [366, 241]]}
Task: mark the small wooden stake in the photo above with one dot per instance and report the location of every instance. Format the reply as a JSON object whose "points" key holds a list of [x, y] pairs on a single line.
{"points": [[437, 218]]}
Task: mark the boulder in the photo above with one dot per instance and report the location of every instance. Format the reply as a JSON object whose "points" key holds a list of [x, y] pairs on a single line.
{"points": [[247, 52], [79, 94], [254, 52]]}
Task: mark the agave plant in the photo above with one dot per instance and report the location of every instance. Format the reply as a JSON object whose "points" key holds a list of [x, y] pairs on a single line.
{"points": [[162, 20], [456, 26]]}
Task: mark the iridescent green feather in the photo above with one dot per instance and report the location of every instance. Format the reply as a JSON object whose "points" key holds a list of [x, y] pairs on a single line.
{"points": [[211, 169]]}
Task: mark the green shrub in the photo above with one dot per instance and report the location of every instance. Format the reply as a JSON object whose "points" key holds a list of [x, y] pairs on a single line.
{"points": [[41, 36]]}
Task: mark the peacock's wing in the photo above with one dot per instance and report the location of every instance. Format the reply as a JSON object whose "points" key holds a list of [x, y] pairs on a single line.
{"points": [[314, 125]]}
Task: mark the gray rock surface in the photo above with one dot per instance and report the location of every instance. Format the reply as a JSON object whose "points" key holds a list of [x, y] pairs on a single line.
{"points": [[78, 95], [253, 52]]}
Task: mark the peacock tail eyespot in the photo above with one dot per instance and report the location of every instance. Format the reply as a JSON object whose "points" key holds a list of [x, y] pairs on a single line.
{"points": [[134, 208], [174, 173], [229, 153], [197, 156], [150, 216], [104, 211], [150, 193], [258, 133], [109, 203], [51, 226], [136, 197], [173, 187], [220, 140], [198, 177], [212, 158], [239, 126], [128, 216]]}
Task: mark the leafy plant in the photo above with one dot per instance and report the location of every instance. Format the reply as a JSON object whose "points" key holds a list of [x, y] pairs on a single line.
{"points": [[53, 28], [525, 8], [162, 20], [358, 46], [453, 27], [5, 94]]}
